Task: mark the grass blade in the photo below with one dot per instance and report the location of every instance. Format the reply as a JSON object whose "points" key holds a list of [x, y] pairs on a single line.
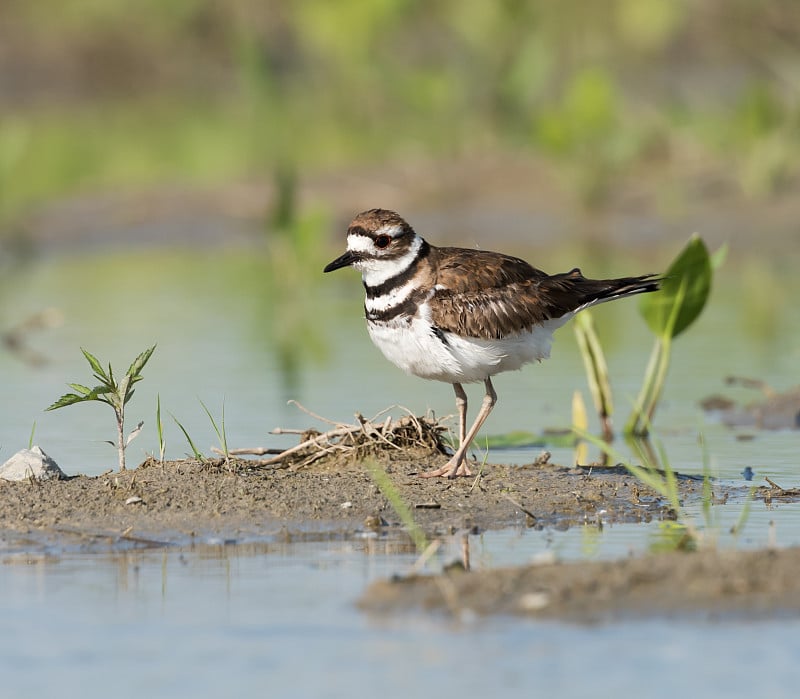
{"points": [[160, 429], [389, 491], [221, 436], [197, 454]]}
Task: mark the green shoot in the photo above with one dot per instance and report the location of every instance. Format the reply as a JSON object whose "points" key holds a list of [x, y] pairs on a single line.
{"points": [[162, 445], [197, 453], [594, 362], [219, 429], [580, 422], [708, 495], [484, 460], [737, 528], [684, 293], [33, 431], [390, 492], [113, 393], [665, 485]]}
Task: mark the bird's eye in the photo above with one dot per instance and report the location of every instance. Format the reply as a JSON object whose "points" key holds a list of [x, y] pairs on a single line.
{"points": [[382, 241]]}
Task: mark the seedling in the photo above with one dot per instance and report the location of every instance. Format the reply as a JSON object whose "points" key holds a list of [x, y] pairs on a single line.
{"points": [[162, 443], [220, 430], [197, 453], [110, 392], [390, 492]]}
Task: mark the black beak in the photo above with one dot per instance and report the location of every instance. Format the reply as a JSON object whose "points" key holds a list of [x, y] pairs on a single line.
{"points": [[345, 260]]}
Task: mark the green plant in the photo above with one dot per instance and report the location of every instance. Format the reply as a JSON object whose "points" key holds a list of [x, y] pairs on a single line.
{"points": [[219, 429], [197, 453], [113, 393], [391, 493], [664, 482], [594, 362], [162, 444], [684, 292], [656, 472]]}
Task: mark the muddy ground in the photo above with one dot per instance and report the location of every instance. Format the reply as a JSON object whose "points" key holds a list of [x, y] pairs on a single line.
{"points": [[176, 499], [175, 502], [706, 584]]}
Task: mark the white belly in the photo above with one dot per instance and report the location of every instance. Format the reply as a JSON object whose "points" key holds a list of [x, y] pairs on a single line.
{"points": [[415, 348]]}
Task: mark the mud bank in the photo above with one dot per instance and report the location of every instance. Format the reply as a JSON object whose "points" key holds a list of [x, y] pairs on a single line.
{"points": [[176, 499], [707, 584]]}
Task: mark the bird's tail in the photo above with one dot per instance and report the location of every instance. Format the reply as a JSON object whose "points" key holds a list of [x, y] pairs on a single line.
{"points": [[591, 292]]}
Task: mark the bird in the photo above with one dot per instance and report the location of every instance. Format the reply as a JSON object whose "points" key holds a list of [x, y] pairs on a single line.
{"points": [[462, 315]]}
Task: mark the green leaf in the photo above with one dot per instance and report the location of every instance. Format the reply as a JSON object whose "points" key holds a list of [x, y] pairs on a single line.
{"points": [[138, 364], [197, 454], [719, 257], [692, 270], [96, 367], [83, 390], [68, 399]]}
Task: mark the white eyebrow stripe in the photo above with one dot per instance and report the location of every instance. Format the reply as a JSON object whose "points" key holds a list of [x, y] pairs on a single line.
{"points": [[392, 230], [359, 243]]}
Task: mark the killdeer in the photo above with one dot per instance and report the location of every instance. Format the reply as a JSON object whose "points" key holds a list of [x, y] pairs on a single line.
{"points": [[460, 315]]}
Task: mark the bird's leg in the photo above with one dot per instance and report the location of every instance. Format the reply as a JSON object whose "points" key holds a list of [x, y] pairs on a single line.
{"points": [[457, 465], [461, 406]]}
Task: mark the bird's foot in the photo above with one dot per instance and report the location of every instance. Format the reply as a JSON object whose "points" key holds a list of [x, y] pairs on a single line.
{"points": [[452, 469]]}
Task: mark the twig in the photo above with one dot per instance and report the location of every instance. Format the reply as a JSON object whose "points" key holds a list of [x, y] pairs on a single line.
{"points": [[519, 506], [773, 484], [314, 441], [314, 415], [254, 451]]}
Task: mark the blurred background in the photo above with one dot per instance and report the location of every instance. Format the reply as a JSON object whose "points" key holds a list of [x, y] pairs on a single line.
{"points": [[179, 172]]}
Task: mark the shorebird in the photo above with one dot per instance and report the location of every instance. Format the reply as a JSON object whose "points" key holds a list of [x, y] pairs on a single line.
{"points": [[461, 315]]}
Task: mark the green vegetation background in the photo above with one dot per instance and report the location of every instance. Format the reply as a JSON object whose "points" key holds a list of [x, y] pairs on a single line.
{"points": [[103, 94]]}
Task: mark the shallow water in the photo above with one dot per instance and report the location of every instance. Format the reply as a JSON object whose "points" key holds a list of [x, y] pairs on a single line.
{"points": [[264, 617], [260, 618]]}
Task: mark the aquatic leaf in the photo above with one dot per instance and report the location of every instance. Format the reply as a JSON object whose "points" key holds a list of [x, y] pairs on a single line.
{"points": [[691, 270], [521, 439], [718, 258], [515, 440]]}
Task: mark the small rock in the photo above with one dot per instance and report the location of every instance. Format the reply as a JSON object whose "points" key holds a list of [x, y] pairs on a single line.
{"points": [[534, 601], [133, 500], [346, 505], [30, 463]]}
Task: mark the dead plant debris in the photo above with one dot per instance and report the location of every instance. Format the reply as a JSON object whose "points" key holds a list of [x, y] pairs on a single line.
{"points": [[366, 438]]}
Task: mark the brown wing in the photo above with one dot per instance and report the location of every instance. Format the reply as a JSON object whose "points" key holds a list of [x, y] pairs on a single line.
{"points": [[488, 295]]}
